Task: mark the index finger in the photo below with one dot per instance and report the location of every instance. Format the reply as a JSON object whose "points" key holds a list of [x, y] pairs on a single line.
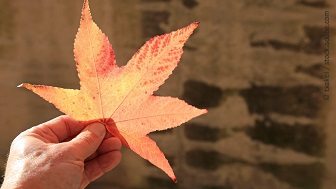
{"points": [[62, 127]]}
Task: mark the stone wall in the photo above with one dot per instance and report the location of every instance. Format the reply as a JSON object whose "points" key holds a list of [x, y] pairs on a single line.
{"points": [[258, 66]]}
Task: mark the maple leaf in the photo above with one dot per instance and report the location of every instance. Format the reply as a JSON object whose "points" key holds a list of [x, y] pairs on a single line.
{"points": [[122, 97]]}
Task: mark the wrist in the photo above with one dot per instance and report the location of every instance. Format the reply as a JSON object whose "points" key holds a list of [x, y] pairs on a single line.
{"points": [[24, 173], [16, 176]]}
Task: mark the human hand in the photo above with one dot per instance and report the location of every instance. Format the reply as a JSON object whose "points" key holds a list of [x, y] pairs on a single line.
{"points": [[61, 153]]}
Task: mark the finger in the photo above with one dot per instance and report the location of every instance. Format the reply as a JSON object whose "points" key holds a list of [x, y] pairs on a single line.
{"points": [[95, 168], [108, 135], [109, 144], [59, 128], [88, 141]]}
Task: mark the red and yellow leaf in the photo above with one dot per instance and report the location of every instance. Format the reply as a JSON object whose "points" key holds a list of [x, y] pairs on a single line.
{"points": [[122, 97]]}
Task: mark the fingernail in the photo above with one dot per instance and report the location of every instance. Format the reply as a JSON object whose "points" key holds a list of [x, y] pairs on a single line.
{"points": [[97, 128]]}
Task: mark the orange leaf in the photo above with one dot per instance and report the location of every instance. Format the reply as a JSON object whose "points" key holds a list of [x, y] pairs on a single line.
{"points": [[121, 97]]}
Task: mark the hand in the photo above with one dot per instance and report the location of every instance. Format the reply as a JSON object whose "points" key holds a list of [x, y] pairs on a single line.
{"points": [[61, 153]]}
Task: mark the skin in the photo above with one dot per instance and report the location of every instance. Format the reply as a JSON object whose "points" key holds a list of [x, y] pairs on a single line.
{"points": [[61, 153]]}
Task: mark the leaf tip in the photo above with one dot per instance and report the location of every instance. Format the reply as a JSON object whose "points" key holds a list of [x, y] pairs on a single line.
{"points": [[86, 14], [195, 24], [85, 4], [24, 85], [191, 27]]}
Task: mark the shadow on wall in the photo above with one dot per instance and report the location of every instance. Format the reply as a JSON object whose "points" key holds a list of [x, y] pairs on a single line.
{"points": [[301, 138]]}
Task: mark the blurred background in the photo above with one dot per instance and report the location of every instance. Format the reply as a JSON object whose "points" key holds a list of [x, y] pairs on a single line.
{"points": [[258, 66]]}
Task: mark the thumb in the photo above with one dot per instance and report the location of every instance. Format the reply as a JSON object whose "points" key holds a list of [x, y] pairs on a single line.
{"points": [[87, 142]]}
